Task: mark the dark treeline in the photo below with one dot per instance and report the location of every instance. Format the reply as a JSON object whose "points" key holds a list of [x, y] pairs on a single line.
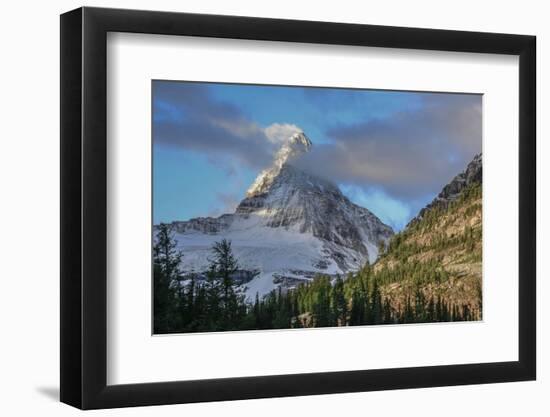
{"points": [[215, 304], [194, 305]]}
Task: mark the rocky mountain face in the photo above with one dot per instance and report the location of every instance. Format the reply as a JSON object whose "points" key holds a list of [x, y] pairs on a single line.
{"points": [[452, 191], [438, 256], [290, 226]]}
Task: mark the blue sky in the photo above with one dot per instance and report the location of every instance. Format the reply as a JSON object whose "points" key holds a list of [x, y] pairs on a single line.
{"points": [[388, 151]]}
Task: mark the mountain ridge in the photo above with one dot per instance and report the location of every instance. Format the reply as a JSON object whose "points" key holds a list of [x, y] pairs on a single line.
{"points": [[451, 191], [438, 256]]}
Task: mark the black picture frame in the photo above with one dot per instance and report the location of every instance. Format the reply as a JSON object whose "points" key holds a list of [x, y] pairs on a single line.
{"points": [[84, 207]]}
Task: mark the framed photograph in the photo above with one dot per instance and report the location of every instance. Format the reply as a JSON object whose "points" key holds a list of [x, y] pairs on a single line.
{"points": [[257, 208]]}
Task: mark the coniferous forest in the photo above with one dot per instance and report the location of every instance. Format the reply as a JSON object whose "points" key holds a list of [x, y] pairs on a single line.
{"points": [[424, 274]]}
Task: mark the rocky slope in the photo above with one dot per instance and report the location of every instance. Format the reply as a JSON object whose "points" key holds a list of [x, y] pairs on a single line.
{"points": [[452, 191], [439, 254]]}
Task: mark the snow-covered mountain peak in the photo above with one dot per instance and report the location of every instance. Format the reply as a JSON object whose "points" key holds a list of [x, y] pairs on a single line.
{"points": [[290, 226], [297, 145], [294, 147]]}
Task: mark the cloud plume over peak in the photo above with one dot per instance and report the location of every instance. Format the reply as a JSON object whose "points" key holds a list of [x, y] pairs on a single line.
{"points": [[187, 116], [280, 132]]}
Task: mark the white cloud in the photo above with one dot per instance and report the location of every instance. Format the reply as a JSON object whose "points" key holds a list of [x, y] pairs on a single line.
{"points": [[241, 128], [411, 154], [280, 132]]}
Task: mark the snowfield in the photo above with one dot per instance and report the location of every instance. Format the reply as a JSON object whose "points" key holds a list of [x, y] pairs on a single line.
{"points": [[265, 249]]}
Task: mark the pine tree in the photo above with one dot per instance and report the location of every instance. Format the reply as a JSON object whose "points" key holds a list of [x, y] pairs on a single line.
{"points": [[321, 302], [166, 277], [381, 248], [223, 261], [223, 266], [213, 307], [420, 315], [431, 314], [187, 302], [257, 312], [388, 316], [408, 313], [357, 312], [200, 320], [165, 254], [376, 304], [339, 303]]}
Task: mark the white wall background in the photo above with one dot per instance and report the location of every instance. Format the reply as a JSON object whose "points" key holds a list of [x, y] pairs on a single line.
{"points": [[29, 225]]}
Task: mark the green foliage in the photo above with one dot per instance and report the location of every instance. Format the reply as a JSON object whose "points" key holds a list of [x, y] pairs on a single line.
{"points": [[215, 303], [194, 305], [166, 261], [222, 267]]}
